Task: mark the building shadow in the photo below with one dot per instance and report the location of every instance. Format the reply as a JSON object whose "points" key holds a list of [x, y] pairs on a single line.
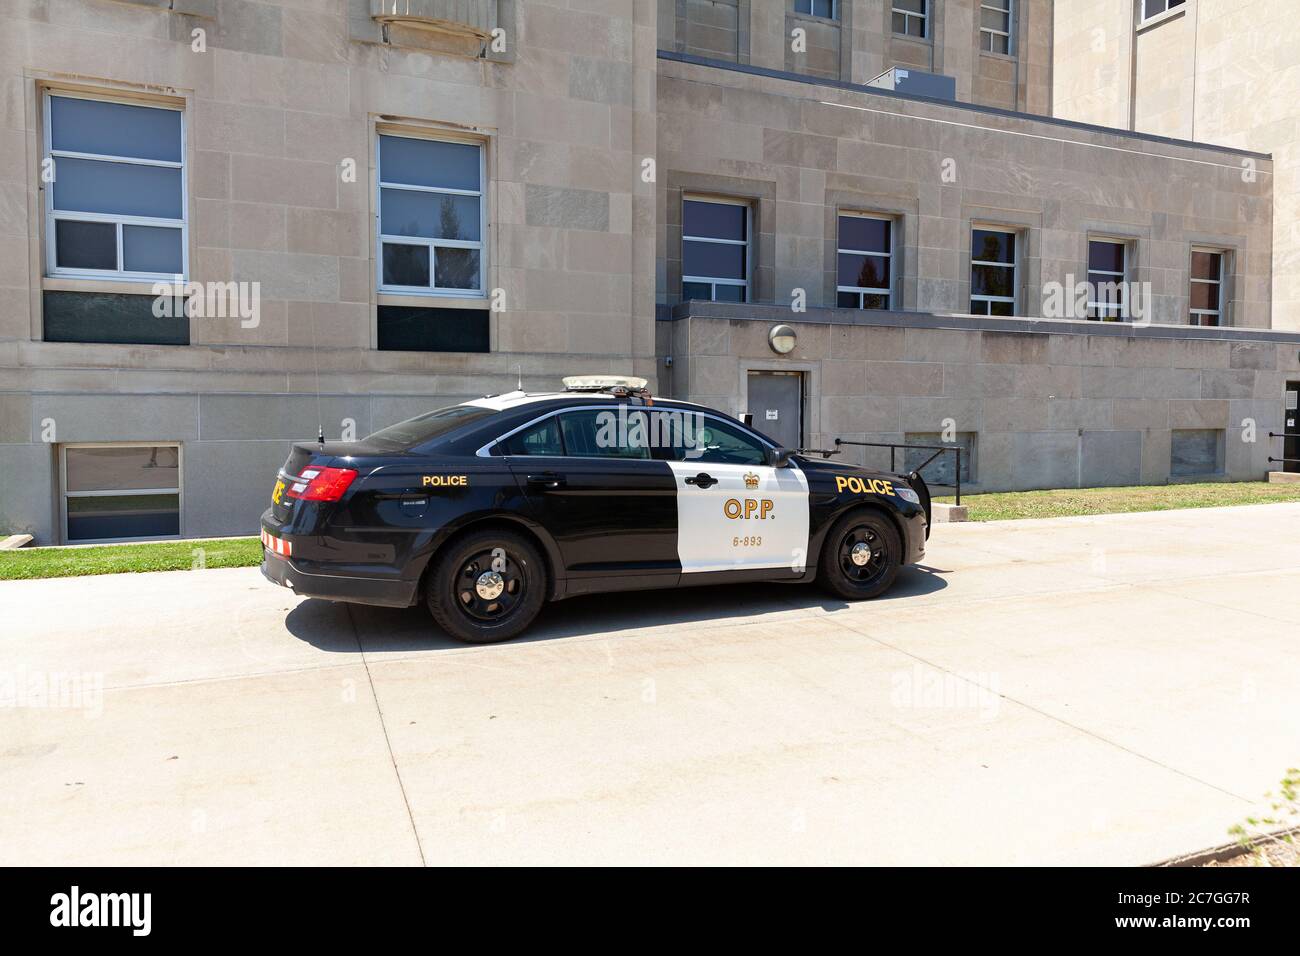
{"points": [[388, 630]]}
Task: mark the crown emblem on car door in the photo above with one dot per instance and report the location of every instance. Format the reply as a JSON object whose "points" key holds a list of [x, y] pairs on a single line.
{"points": [[751, 480]]}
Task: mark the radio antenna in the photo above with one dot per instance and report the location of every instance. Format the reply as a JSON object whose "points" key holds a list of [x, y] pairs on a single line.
{"points": [[315, 361], [519, 386]]}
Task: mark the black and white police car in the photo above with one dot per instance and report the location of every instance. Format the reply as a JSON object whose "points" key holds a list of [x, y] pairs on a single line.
{"points": [[484, 511]]}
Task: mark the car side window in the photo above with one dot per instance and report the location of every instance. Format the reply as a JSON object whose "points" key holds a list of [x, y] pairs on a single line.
{"points": [[604, 433], [715, 442], [541, 439]]}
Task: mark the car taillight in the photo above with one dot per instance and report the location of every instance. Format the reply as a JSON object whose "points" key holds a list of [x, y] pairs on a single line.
{"points": [[321, 484]]}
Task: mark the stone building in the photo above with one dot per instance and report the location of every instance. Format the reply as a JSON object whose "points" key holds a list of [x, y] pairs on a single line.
{"points": [[388, 205]]}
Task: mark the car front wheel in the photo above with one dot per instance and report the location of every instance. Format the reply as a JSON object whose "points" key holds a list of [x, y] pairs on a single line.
{"points": [[861, 556], [487, 586]]}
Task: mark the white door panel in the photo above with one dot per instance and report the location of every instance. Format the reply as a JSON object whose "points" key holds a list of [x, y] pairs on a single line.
{"points": [[755, 516]]}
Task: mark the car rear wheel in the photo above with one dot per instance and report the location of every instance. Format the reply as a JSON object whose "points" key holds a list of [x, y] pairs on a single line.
{"points": [[487, 586], [861, 556]]}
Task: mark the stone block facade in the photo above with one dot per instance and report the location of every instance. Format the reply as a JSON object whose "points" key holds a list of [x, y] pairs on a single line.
{"points": [[281, 100], [1214, 70], [593, 121], [1049, 404], [800, 153]]}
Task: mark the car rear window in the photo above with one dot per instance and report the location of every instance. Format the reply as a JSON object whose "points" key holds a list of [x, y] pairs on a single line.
{"points": [[430, 425]]}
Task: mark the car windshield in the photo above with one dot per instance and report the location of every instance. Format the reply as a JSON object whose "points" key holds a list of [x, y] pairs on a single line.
{"points": [[422, 428]]}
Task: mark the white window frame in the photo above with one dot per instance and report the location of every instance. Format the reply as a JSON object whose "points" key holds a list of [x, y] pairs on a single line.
{"points": [[747, 242], [1119, 277], [52, 268], [908, 17], [1010, 11], [1197, 316], [834, 14], [1144, 17], [432, 244], [1013, 265], [178, 491], [862, 290]]}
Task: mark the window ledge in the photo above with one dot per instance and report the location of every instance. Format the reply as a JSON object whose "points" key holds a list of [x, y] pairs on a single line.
{"points": [[119, 286], [416, 301], [475, 18], [992, 54], [813, 18]]}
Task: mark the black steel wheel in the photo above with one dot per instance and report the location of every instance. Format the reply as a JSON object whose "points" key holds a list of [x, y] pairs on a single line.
{"points": [[487, 586], [861, 556]]}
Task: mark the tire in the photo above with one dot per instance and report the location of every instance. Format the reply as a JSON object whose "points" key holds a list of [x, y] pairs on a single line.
{"points": [[840, 574], [486, 587]]}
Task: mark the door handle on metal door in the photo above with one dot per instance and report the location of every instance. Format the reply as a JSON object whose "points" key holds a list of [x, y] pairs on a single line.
{"points": [[547, 480], [702, 480]]}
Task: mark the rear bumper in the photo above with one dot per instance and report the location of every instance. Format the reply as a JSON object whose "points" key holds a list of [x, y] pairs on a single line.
{"points": [[334, 587]]}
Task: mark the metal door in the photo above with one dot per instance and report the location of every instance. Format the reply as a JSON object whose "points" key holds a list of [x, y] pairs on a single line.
{"points": [[776, 402]]}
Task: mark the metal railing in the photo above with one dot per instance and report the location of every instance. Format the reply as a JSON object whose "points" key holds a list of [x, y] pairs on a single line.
{"points": [[893, 456], [1286, 461]]}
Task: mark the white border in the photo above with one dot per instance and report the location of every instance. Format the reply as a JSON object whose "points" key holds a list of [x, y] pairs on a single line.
{"points": [[52, 269], [431, 244], [1198, 314], [747, 242], [888, 293], [1013, 265], [179, 490]]}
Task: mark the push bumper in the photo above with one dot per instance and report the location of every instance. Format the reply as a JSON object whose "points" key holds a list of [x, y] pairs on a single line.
{"points": [[335, 587], [917, 531]]}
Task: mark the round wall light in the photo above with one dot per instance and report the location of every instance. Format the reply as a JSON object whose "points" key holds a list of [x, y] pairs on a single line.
{"points": [[782, 339]]}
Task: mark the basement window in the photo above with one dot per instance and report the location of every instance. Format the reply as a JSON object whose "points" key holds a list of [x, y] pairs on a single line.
{"points": [[121, 492], [1196, 452], [943, 470]]}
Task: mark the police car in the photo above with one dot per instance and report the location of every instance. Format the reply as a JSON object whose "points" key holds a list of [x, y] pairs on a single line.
{"points": [[486, 510]]}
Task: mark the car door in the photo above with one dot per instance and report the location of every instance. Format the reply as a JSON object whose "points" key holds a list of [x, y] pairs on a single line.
{"points": [[737, 516], [601, 495]]}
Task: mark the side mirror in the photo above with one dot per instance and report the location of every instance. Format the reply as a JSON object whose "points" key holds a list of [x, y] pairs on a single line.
{"points": [[779, 457]]}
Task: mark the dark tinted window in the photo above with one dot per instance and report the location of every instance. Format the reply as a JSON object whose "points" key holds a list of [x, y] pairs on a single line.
{"points": [[542, 439], [422, 428], [989, 246], [603, 433], [864, 234], [716, 220], [1106, 256], [717, 443]]}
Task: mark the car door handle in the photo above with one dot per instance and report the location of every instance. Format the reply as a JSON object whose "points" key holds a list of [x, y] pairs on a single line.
{"points": [[702, 480], [546, 480]]}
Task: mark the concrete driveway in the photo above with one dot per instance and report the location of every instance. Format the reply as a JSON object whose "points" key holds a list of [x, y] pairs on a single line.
{"points": [[1073, 691]]}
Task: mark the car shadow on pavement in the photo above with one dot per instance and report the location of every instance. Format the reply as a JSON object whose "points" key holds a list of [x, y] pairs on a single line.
{"points": [[381, 629]]}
